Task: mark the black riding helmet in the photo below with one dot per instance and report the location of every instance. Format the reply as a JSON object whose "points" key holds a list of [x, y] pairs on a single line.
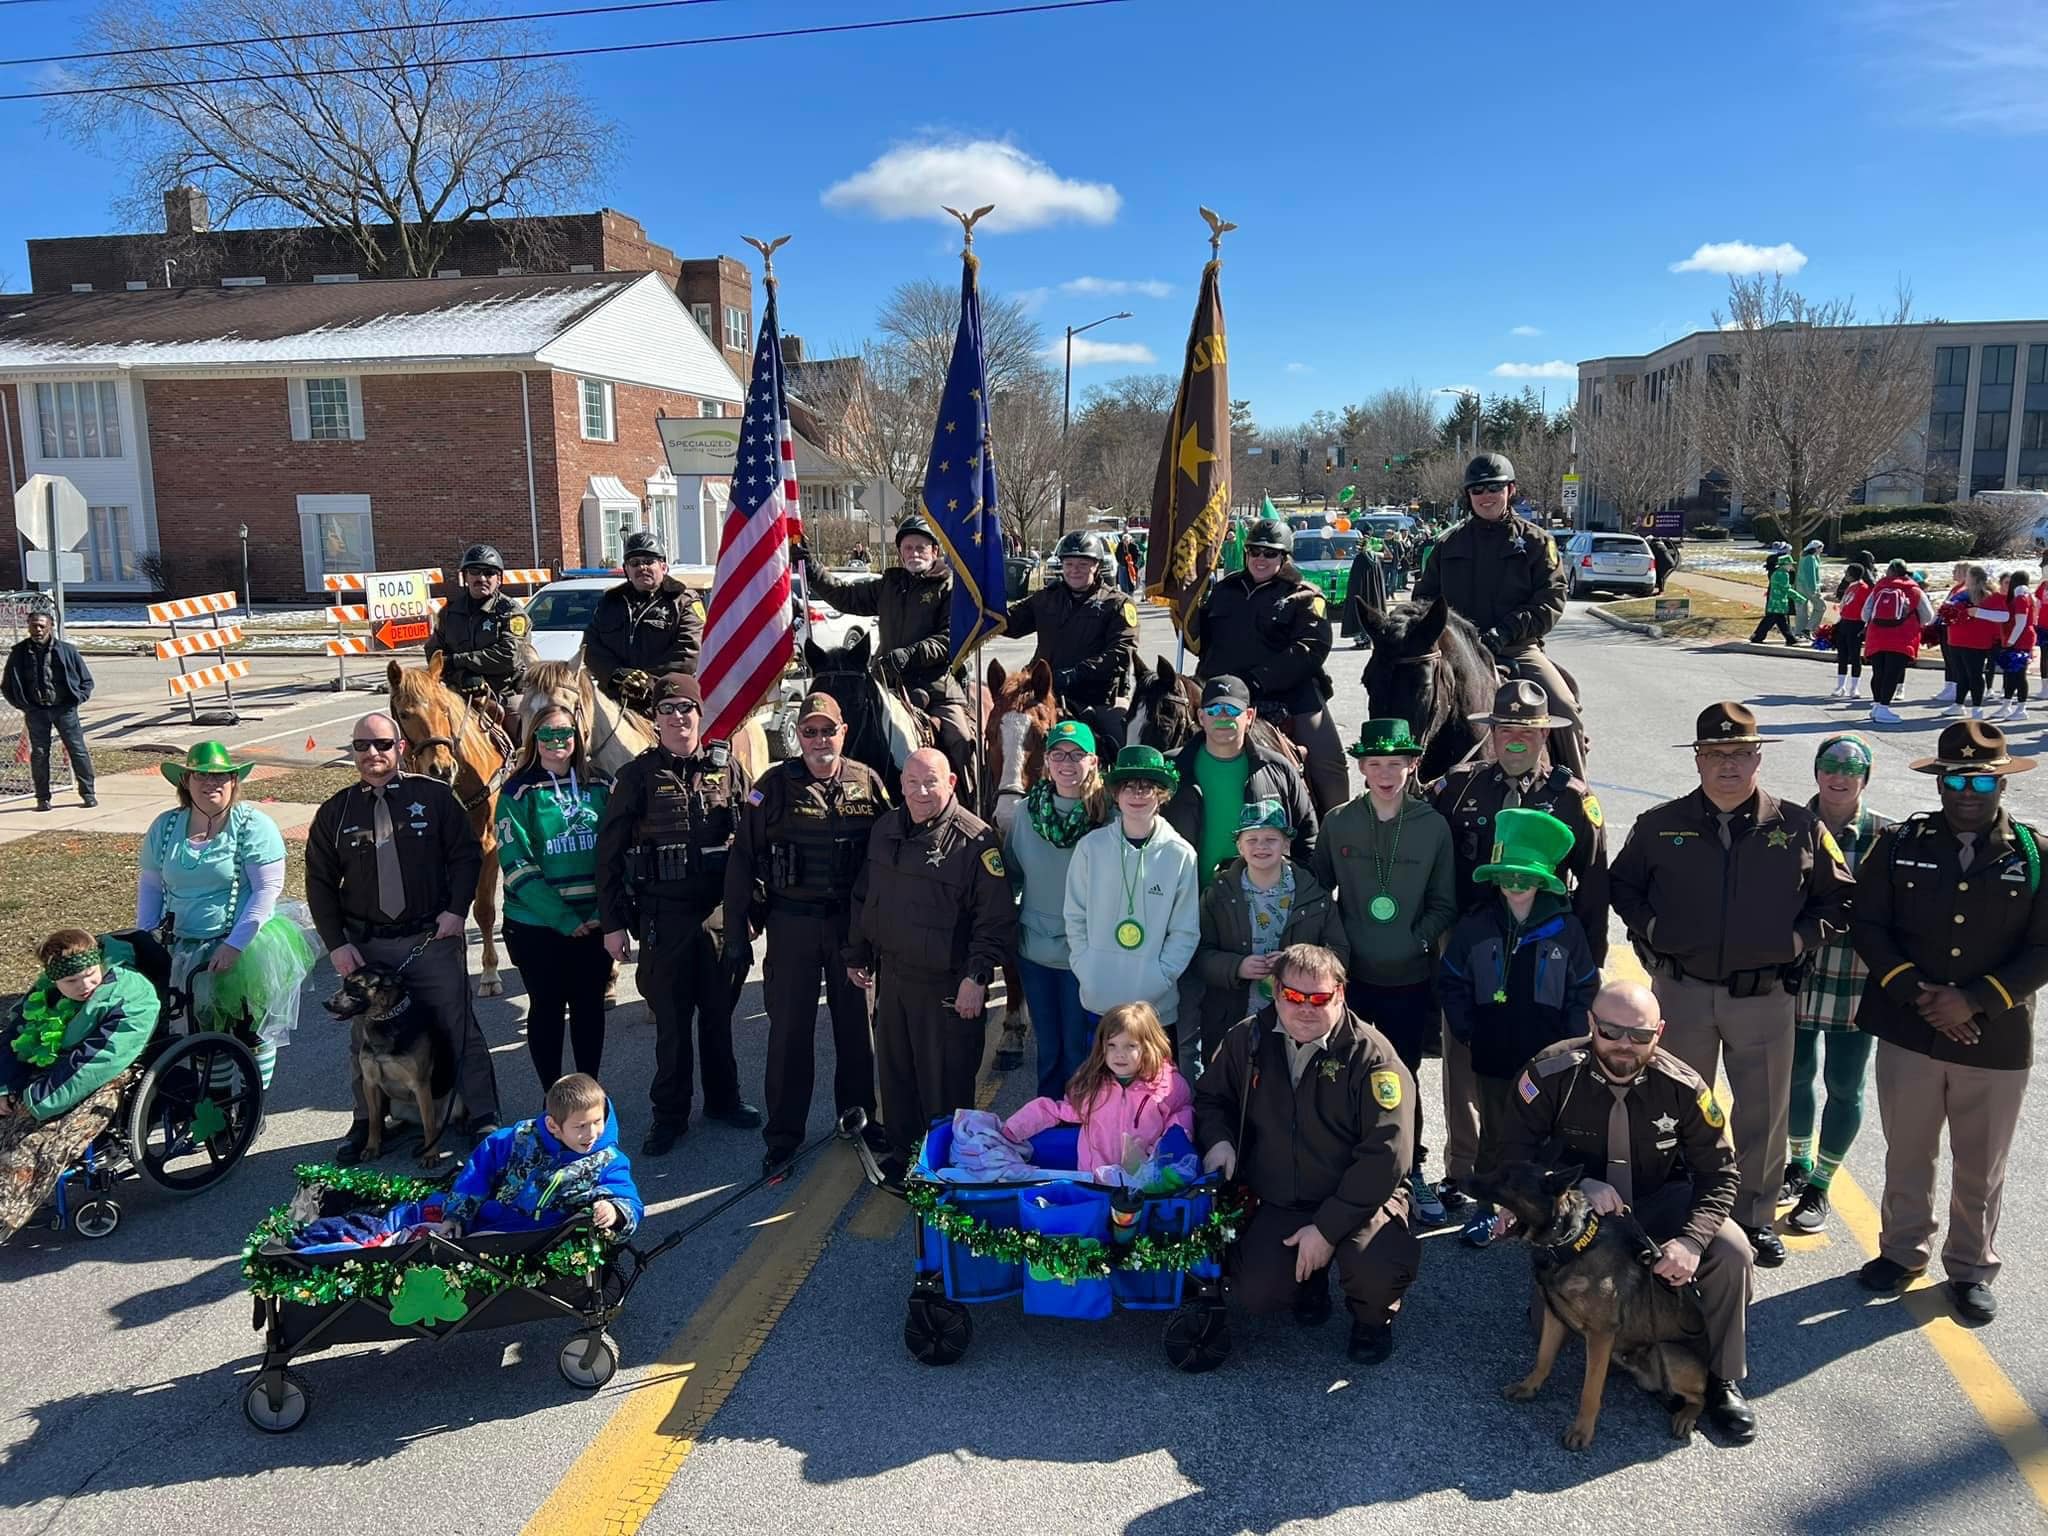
{"points": [[484, 556], [1081, 545], [914, 525], [1487, 469], [1270, 533]]}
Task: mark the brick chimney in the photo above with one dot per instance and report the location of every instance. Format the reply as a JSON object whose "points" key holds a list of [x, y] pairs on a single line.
{"points": [[792, 351], [186, 212]]}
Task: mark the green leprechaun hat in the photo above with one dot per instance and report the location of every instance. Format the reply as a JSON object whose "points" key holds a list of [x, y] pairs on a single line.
{"points": [[1385, 738], [1142, 763], [1528, 843], [205, 757]]}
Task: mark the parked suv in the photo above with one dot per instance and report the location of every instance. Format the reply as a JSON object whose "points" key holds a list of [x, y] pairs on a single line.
{"points": [[1614, 562]]}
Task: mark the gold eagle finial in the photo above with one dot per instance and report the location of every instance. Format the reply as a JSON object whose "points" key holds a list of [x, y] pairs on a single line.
{"points": [[969, 220], [1218, 228]]}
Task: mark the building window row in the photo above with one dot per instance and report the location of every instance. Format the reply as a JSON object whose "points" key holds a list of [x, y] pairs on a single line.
{"points": [[79, 421], [736, 328]]}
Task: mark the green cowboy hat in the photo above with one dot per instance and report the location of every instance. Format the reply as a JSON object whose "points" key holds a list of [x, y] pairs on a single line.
{"points": [[1527, 843], [205, 757], [1264, 816], [1385, 738], [1142, 763]]}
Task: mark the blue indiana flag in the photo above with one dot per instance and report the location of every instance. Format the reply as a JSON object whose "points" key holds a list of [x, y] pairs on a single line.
{"points": [[960, 483]]}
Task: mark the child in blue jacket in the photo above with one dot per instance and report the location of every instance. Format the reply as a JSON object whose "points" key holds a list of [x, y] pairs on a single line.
{"points": [[1517, 975], [539, 1173]]}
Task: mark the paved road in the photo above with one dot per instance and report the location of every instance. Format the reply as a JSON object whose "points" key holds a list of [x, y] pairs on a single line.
{"points": [[766, 1388]]}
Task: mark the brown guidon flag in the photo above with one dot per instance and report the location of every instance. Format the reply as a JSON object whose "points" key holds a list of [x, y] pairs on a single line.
{"points": [[1191, 492]]}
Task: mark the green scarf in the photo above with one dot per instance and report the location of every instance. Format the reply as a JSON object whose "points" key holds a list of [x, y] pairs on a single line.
{"points": [[45, 1013], [1060, 829]]}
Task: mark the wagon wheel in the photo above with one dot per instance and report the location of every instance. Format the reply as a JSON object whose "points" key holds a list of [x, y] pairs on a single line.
{"points": [[277, 1401], [194, 1112], [936, 1330], [589, 1360], [1197, 1337]]}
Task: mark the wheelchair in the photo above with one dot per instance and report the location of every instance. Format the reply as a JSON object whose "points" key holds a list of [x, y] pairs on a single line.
{"points": [[185, 1119]]}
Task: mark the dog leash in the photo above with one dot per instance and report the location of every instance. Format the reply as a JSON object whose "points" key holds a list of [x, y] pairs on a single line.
{"points": [[417, 950]]}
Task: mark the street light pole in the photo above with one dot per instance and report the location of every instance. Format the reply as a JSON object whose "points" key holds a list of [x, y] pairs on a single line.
{"points": [[1473, 396], [1067, 402]]}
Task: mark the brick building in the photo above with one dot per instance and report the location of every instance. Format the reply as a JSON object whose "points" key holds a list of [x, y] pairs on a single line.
{"points": [[189, 253], [371, 425]]}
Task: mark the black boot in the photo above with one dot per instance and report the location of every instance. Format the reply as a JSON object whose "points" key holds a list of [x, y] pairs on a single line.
{"points": [[1312, 1302], [1768, 1247], [1370, 1342], [1730, 1411], [662, 1137]]}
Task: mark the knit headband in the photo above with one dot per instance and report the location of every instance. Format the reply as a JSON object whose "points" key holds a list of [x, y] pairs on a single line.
{"points": [[1850, 746], [72, 965]]}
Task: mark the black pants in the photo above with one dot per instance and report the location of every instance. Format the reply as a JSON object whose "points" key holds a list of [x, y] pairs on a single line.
{"points": [[439, 978], [1781, 622], [1848, 647], [65, 723], [926, 1055], [2016, 684], [1407, 1016], [1887, 671], [800, 949], [1972, 668], [565, 981], [682, 979]]}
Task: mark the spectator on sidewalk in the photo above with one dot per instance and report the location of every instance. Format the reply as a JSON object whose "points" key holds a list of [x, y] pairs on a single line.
{"points": [[46, 679], [1854, 590], [1813, 607], [1896, 614]]}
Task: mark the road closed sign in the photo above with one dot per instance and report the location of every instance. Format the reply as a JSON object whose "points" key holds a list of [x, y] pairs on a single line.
{"points": [[404, 597]]}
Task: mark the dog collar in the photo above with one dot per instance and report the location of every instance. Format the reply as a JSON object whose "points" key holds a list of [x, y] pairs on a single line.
{"points": [[1573, 1246]]}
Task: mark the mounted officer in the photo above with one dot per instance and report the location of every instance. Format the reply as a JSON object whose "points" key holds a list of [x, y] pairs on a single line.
{"points": [[1500, 572], [647, 626], [1087, 633], [480, 631], [913, 603], [1268, 626]]}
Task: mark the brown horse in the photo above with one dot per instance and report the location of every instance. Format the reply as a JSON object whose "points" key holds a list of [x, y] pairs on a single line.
{"points": [[448, 738], [614, 735], [1021, 711]]}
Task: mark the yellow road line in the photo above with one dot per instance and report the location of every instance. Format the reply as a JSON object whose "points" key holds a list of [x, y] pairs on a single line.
{"points": [[2015, 1425]]}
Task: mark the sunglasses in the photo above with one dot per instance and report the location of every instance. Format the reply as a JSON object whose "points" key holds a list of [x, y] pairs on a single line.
{"points": [[1222, 711], [374, 743], [1307, 999], [642, 560], [1263, 552], [555, 735], [1970, 783], [1633, 1033], [1730, 754], [1516, 882], [678, 707], [1493, 488], [1843, 765], [818, 732]]}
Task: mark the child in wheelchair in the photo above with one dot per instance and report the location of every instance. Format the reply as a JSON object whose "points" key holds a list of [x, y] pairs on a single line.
{"points": [[74, 1043]]}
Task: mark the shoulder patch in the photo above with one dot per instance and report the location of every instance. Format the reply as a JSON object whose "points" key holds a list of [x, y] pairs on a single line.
{"points": [[517, 626], [1549, 547], [1591, 803], [1316, 605], [1436, 786], [1130, 613], [1711, 1108], [753, 797], [1527, 1088], [1828, 845], [1563, 1061], [992, 861], [1386, 1089]]}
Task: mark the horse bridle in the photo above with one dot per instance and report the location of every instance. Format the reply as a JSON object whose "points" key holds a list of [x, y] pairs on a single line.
{"points": [[499, 742]]}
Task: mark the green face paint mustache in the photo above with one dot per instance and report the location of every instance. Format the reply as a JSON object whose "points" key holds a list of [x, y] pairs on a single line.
{"points": [[1516, 746]]}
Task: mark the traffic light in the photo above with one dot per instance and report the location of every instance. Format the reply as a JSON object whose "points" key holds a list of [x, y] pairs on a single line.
{"points": [[1398, 459]]}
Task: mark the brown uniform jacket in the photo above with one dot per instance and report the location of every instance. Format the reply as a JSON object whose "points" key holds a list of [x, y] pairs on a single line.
{"points": [[1676, 1130], [1471, 795], [801, 842], [1714, 911], [933, 899], [1984, 930], [1337, 1146], [914, 614]]}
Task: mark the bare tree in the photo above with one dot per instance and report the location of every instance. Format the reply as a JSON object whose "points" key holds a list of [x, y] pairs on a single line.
{"points": [[1024, 422], [274, 130], [1541, 452], [1393, 425], [870, 407], [922, 318], [1636, 449], [1810, 403], [1113, 446], [1440, 476]]}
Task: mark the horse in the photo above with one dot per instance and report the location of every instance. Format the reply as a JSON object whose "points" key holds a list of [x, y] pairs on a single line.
{"points": [[614, 735], [448, 737], [1166, 712], [1013, 736], [882, 727], [1428, 667]]}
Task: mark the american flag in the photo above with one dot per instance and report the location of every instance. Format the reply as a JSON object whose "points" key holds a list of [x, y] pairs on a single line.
{"points": [[749, 638]]}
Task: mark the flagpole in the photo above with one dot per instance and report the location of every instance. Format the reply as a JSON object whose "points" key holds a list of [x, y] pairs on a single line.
{"points": [[981, 785], [773, 284]]}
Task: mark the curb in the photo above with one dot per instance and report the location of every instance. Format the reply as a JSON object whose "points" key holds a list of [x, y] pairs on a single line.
{"points": [[1615, 621]]}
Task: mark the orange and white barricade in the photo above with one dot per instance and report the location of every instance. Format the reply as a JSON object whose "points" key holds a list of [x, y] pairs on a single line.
{"points": [[196, 630]]}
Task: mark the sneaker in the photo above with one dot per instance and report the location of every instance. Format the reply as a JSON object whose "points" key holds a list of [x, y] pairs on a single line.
{"points": [[1841, 688], [1953, 712], [1427, 1206], [1794, 1185], [1947, 694], [1454, 1198], [1478, 1229], [1855, 688], [1811, 1213], [1884, 714], [1973, 1299]]}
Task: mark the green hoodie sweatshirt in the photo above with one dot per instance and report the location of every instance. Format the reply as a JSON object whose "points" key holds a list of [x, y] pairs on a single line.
{"points": [[1422, 882]]}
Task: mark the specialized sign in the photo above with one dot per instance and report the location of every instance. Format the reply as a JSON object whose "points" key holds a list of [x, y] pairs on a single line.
{"points": [[406, 596], [700, 445], [1669, 608], [1571, 496]]}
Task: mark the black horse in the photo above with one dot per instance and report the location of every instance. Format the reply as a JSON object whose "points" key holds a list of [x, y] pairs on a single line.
{"points": [[1428, 667], [1165, 713], [843, 676]]}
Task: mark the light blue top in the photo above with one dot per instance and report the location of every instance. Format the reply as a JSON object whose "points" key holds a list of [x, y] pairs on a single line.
{"points": [[201, 884]]}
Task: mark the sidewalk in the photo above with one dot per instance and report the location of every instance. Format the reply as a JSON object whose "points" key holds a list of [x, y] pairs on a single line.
{"points": [[1716, 586], [129, 802]]}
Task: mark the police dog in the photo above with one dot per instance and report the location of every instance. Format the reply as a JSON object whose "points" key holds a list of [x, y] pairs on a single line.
{"points": [[399, 1058], [1594, 1275]]}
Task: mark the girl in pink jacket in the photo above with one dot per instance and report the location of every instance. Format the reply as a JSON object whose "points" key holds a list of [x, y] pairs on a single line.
{"points": [[1128, 1090]]}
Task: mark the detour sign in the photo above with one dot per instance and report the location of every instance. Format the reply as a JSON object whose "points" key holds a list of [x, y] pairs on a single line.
{"points": [[404, 596]]}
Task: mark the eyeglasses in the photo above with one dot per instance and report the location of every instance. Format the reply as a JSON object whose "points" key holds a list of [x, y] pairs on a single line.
{"points": [[555, 735], [643, 560], [374, 743], [1305, 999], [678, 707], [1222, 711], [818, 732], [211, 780], [1736, 755], [1970, 783], [1635, 1034], [1066, 755]]}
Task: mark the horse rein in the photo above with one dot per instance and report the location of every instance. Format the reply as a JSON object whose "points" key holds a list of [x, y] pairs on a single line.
{"points": [[463, 722]]}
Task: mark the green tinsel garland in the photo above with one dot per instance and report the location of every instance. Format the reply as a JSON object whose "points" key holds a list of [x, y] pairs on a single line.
{"points": [[1071, 1258], [46, 1014], [376, 1276]]}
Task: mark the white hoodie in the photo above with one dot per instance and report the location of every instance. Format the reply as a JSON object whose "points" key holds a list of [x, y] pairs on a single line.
{"points": [[1165, 902]]}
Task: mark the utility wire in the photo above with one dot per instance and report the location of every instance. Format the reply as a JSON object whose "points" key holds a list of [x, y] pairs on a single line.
{"points": [[309, 37], [568, 53]]}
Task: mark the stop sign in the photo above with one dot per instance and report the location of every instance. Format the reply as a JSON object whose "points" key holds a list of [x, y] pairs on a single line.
{"points": [[32, 511]]}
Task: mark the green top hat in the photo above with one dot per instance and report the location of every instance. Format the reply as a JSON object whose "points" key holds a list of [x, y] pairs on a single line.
{"points": [[1142, 763], [1385, 738], [1528, 843], [205, 757], [1071, 731], [1264, 816]]}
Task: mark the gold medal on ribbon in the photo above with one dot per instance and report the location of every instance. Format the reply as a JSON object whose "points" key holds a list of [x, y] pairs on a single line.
{"points": [[1130, 933]]}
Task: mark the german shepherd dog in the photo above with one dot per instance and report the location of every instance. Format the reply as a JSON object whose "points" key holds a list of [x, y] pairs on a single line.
{"points": [[1594, 1275], [399, 1058]]}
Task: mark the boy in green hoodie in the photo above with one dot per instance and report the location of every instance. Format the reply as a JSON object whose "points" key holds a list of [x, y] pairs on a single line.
{"points": [[1388, 856]]}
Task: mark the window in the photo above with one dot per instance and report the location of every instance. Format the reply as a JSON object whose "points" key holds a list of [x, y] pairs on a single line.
{"points": [[111, 545], [449, 272], [1993, 431], [1997, 367], [701, 313], [133, 285], [326, 410], [79, 421], [736, 327], [598, 423], [334, 537], [243, 282], [582, 266], [81, 287], [617, 519], [710, 408], [1951, 366], [2037, 364], [1945, 432]]}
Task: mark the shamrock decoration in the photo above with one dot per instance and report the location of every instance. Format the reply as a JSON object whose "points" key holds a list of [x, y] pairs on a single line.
{"points": [[1330, 1068], [207, 1121], [426, 1296], [1500, 994]]}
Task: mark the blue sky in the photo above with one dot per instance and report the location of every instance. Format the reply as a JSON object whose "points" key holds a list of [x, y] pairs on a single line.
{"points": [[1418, 188]]}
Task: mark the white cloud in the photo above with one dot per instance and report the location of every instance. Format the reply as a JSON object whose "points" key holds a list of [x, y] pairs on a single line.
{"points": [[1146, 287], [1087, 351], [1299, 368], [1526, 330], [1739, 258], [1556, 368], [913, 181]]}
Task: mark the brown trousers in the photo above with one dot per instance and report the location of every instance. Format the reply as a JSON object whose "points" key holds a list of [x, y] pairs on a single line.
{"points": [[1462, 1127], [1705, 1028], [1916, 1097], [1375, 1265], [1724, 1279], [926, 1056]]}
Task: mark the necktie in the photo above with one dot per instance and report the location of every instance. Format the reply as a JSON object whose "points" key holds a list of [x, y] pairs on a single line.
{"points": [[1620, 1150], [1966, 851], [1727, 838], [390, 878]]}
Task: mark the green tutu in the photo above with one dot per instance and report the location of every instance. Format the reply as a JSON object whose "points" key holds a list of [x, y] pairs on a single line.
{"points": [[264, 982]]}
